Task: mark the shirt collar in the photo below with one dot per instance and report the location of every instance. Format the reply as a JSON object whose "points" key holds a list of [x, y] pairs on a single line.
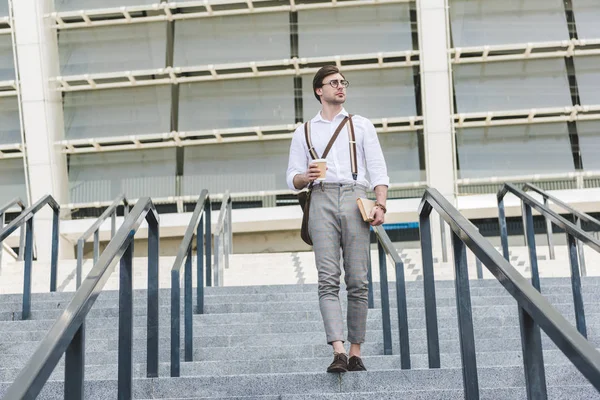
{"points": [[319, 118]]}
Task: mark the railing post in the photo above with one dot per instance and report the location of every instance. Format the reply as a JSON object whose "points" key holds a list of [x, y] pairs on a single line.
{"points": [[549, 231], [27, 273], [200, 267], [152, 333], [402, 316], [175, 324], [533, 357], [465, 320], [217, 271], [371, 295], [576, 286], [208, 243], [21, 254], [580, 251], [530, 235], [54, 260], [96, 245], [385, 302], [125, 386], [478, 265], [187, 306], [2, 243], [79, 271], [433, 341], [503, 229], [75, 366], [113, 223]]}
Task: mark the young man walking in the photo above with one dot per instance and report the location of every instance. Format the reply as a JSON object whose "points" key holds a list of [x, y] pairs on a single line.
{"points": [[335, 223]]}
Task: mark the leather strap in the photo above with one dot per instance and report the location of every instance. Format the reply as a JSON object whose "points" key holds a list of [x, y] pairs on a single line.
{"points": [[311, 149], [352, 141]]}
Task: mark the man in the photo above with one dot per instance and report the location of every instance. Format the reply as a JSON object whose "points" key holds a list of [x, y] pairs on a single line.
{"points": [[335, 221]]}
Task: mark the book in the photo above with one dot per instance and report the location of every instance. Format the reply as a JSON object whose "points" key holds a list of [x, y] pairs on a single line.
{"points": [[365, 206]]}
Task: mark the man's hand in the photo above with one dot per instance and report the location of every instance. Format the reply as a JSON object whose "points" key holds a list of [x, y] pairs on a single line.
{"points": [[378, 216], [313, 172]]}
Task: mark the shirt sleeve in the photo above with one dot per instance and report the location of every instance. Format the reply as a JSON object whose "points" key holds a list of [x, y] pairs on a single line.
{"points": [[298, 163], [374, 157]]}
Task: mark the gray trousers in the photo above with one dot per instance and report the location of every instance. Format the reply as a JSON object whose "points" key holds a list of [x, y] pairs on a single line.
{"points": [[335, 223]]}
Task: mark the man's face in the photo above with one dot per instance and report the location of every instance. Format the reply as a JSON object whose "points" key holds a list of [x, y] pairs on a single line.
{"points": [[330, 94]]}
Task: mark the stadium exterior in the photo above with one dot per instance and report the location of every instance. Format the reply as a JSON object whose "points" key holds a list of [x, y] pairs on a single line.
{"points": [[102, 97]]}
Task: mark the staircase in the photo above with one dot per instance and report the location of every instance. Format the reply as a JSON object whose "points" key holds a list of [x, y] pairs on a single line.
{"points": [[267, 342]]}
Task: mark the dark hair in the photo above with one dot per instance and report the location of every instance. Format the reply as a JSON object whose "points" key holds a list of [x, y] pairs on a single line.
{"points": [[320, 75]]}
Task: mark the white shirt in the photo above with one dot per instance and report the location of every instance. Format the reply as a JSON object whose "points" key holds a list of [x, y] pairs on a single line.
{"points": [[369, 156]]}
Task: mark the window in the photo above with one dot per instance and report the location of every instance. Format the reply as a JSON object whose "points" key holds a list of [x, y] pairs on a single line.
{"points": [[10, 126], [7, 63], [12, 180], [588, 79], [589, 143], [587, 15]]}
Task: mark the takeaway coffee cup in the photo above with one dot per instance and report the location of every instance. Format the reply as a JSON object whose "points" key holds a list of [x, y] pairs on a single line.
{"points": [[322, 164]]}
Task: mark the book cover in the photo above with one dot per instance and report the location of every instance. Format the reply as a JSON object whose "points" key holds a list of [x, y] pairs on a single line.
{"points": [[365, 206]]}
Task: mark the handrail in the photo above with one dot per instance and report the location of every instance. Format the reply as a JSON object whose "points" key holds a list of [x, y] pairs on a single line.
{"points": [[26, 218], [578, 216], [223, 239], [535, 311], [198, 223], [111, 211], [14, 202], [573, 233], [67, 335], [385, 246]]}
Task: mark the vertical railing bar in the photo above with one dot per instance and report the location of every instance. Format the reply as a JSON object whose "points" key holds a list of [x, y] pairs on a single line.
{"points": [[533, 357], [21, 254], [385, 301], [217, 272], [187, 299], [152, 334], [465, 320], [503, 229], [27, 270], [444, 241], [371, 295], [549, 232], [530, 235], [200, 267], [125, 387], [401, 303], [175, 323], [96, 245], [113, 223], [433, 341], [54, 259], [208, 243], [576, 286], [79, 269], [75, 366], [581, 251], [1, 243]]}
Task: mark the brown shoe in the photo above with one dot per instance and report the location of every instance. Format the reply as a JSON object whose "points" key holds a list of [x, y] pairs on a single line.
{"points": [[339, 364], [356, 364]]}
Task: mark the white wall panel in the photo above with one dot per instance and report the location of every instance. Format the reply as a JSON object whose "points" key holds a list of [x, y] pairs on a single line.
{"points": [[489, 22]]}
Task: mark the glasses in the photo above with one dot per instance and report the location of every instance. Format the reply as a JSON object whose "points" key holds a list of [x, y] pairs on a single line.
{"points": [[334, 83]]}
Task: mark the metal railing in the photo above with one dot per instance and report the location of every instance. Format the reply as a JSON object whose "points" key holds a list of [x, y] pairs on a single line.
{"points": [[14, 202], [577, 216], [386, 247], [111, 211], [223, 240], [535, 311], [199, 223], [573, 233], [67, 335], [26, 219]]}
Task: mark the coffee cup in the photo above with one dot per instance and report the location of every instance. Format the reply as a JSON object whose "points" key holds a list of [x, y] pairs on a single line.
{"points": [[322, 164]]}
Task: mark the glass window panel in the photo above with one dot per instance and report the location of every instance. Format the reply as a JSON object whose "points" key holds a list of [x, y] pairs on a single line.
{"points": [[4, 8], [372, 94], [589, 144], [512, 85], [76, 5], [117, 112], [10, 127], [236, 103], [588, 79], [112, 48], [239, 167], [103, 176], [514, 150], [354, 30], [239, 38], [587, 15], [12, 180], [490, 22], [7, 63], [401, 152]]}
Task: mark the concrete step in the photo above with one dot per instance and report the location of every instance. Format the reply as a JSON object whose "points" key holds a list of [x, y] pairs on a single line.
{"points": [[307, 384]]}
